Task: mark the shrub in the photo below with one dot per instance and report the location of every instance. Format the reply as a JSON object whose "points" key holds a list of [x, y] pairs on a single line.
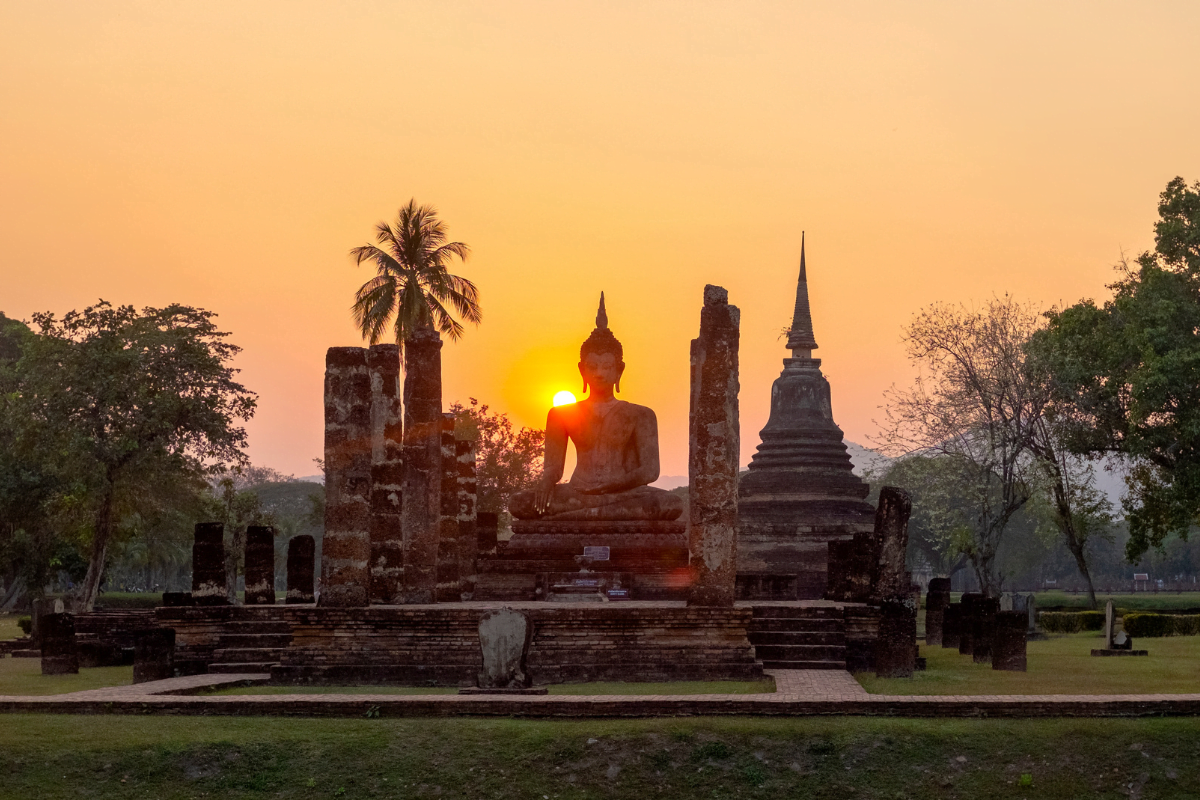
{"points": [[1071, 621], [25, 624], [1151, 625], [1187, 625], [1092, 620]]}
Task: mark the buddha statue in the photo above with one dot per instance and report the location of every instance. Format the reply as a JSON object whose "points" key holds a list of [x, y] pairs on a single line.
{"points": [[616, 443]]}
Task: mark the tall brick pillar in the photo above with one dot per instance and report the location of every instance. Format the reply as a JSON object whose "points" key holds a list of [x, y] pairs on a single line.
{"points": [[449, 580], [346, 549], [714, 452], [467, 484], [387, 472], [260, 565], [422, 483], [208, 565], [936, 602], [892, 580]]}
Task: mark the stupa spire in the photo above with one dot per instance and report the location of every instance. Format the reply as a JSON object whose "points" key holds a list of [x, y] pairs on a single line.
{"points": [[800, 337]]}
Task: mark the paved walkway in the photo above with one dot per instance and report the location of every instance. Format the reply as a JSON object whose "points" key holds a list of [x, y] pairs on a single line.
{"points": [[798, 693]]}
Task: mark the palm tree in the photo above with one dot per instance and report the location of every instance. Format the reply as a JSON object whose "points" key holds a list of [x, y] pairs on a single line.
{"points": [[413, 287]]}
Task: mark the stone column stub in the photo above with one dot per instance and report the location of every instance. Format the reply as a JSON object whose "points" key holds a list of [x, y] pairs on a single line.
{"points": [[449, 584], [421, 487], [714, 450], [346, 548], [467, 485], [301, 559], [260, 565]]}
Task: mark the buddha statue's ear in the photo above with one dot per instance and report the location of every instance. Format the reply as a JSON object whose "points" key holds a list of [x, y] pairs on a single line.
{"points": [[620, 372], [585, 383]]}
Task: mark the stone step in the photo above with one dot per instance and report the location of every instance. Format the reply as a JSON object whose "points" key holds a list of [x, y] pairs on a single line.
{"points": [[241, 666], [797, 625], [800, 652], [804, 665], [798, 612], [232, 640], [837, 638], [256, 626], [249, 654]]}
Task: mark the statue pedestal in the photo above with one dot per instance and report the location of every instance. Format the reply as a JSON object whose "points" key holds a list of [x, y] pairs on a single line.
{"points": [[649, 558]]}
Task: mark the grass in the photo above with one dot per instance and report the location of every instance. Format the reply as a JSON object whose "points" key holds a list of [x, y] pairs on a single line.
{"points": [[1059, 665], [24, 676], [51, 757], [764, 686], [8, 626]]}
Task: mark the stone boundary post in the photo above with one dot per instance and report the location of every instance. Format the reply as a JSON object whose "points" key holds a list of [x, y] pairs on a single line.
{"points": [[966, 623], [346, 549], [951, 625], [422, 483], [208, 565], [983, 617], [301, 560], [936, 602], [387, 472], [154, 655], [60, 654], [714, 451], [1008, 641]]}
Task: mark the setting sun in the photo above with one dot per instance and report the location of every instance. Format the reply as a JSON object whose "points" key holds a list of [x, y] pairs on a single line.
{"points": [[564, 398]]}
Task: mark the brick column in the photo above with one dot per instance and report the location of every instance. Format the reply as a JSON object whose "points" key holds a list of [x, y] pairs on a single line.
{"points": [[208, 565], [983, 618], [260, 565], [487, 531], [387, 472], [300, 563], [966, 623], [422, 483], [346, 548], [951, 625], [154, 655], [449, 580], [935, 608], [714, 452], [892, 580], [1008, 641], [60, 655], [896, 650], [468, 546]]}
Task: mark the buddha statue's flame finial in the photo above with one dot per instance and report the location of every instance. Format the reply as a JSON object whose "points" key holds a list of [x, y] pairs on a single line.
{"points": [[601, 315]]}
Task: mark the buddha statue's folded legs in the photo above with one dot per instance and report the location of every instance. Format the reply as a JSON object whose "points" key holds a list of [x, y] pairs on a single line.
{"points": [[566, 503]]}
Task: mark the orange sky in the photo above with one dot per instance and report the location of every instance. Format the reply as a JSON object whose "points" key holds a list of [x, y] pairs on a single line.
{"points": [[228, 155]]}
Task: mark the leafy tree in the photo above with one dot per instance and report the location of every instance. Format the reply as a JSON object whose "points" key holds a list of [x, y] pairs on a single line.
{"points": [[507, 461], [125, 402], [413, 286], [1126, 374]]}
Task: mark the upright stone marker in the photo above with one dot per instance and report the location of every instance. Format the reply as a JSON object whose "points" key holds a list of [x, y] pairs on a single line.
{"points": [[346, 548], [387, 472], [1109, 624], [260, 565], [896, 647], [504, 639], [1008, 641], [208, 565], [154, 655], [422, 465], [966, 623], [300, 562], [714, 452], [936, 602], [951, 626], [1031, 617], [60, 655], [891, 529]]}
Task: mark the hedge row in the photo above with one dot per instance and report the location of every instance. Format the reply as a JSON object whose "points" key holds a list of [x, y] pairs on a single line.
{"points": [[1071, 621], [1162, 624]]}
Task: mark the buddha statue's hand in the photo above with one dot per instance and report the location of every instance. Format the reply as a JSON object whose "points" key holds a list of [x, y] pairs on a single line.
{"points": [[542, 496]]}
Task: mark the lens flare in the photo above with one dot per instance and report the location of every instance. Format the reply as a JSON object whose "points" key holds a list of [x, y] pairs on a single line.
{"points": [[564, 398]]}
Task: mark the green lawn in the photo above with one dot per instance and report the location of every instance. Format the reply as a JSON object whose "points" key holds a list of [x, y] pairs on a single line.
{"points": [[8, 626], [24, 676], [51, 757], [1136, 601], [767, 685], [1059, 665]]}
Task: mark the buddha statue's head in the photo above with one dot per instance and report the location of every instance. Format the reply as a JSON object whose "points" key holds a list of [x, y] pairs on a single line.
{"points": [[600, 357]]}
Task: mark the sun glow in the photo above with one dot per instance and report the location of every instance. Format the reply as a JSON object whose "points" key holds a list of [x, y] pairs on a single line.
{"points": [[564, 398]]}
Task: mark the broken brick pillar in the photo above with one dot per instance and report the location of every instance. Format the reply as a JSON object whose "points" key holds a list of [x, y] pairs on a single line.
{"points": [[208, 565], [487, 532], [467, 486], [422, 465], [714, 451], [936, 601], [966, 623], [951, 620], [346, 548], [301, 560], [892, 580], [60, 654], [387, 472], [260, 565], [983, 619], [449, 580], [895, 649], [1008, 641], [153, 655]]}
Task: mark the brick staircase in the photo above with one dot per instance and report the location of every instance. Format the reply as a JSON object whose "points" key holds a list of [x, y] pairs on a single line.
{"points": [[253, 645], [788, 637]]}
